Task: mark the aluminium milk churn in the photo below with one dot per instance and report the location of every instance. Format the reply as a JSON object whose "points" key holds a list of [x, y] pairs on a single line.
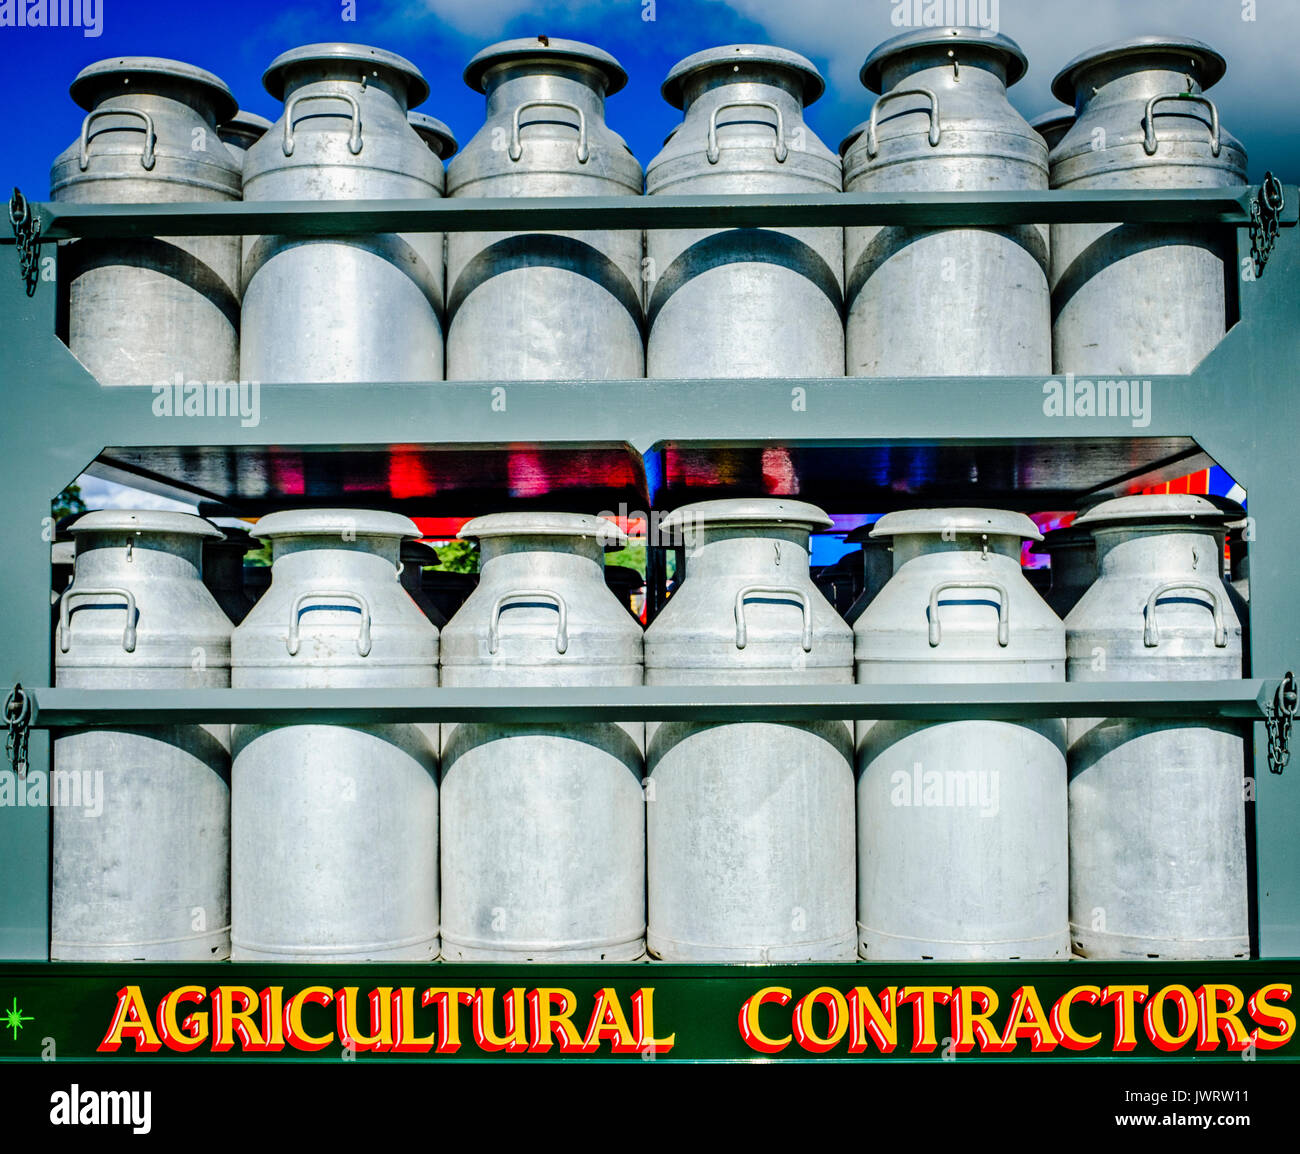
{"points": [[749, 824], [946, 301], [240, 132], [744, 302], [1053, 125], [439, 138], [1141, 298], [877, 568], [223, 567], [334, 828], [543, 825], [414, 556], [962, 826], [142, 310], [1073, 557], [141, 813], [544, 305], [1157, 808], [347, 308]]}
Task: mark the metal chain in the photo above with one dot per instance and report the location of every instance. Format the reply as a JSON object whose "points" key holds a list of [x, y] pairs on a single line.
{"points": [[17, 718], [1278, 723], [1265, 212], [27, 230]]}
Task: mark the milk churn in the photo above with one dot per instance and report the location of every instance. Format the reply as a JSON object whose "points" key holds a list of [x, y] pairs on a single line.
{"points": [[415, 555], [544, 305], [223, 567], [62, 553], [543, 826], [141, 814], [1073, 569], [1157, 808], [1141, 298], [627, 585], [327, 308], [334, 828], [434, 133], [142, 310], [241, 131], [749, 824], [962, 847], [877, 568], [1239, 558], [952, 300], [744, 302], [239, 134], [1053, 125]]}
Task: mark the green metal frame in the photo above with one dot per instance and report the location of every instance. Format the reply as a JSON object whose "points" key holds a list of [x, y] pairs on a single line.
{"points": [[1240, 406]]}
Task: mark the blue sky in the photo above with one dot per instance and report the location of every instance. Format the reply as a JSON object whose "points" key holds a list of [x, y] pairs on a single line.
{"points": [[237, 39]]}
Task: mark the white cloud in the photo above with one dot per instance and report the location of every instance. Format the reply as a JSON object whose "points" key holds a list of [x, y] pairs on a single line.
{"points": [[101, 494], [1259, 51], [486, 19]]}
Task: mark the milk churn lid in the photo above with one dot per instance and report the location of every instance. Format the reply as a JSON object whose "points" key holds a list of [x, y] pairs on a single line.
{"points": [[993, 522], [144, 521], [544, 525], [132, 73], [861, 535], [417, 88], [1067, 537], [434, 133], [244, 126], [1172, 507], [545, 48], [1016, 62], [742, 511], [235, 529], [1209, 65], [344, 523], [734, 54], [418, 553], [1053, 120], [853, 133]]}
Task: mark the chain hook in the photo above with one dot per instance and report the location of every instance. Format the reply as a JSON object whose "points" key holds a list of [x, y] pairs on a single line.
{"points": [[1278, 722], [17, 719], [26, 225], [1265, 215]]}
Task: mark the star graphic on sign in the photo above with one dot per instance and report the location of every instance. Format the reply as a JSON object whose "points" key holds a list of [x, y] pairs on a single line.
{"points": [[14, 1019]]}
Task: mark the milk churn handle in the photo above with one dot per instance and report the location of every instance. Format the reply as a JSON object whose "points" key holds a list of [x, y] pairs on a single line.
{"points": [[65, 615], [354, 138], [1004, 608], [363, 636], [150, 136], [742, 631], [1151, 632], [561, 627], [873, 145], [713, 152], [1149, 123], [516, 146]]}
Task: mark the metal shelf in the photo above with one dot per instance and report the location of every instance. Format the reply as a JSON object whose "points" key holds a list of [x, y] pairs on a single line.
{"points": [[1245, 700], [872, 441]]}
